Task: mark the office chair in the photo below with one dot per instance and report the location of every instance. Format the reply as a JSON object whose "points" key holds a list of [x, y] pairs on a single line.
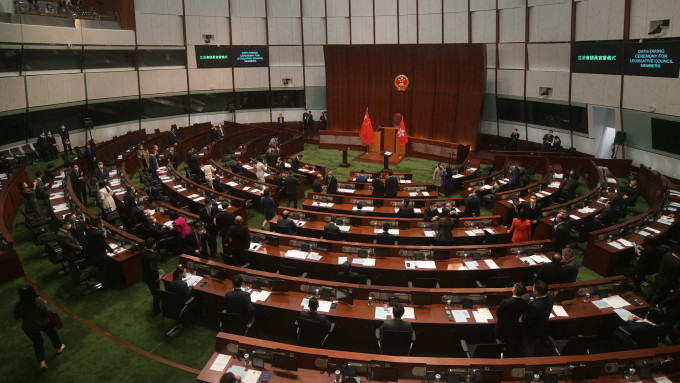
{"points": [[495, 282], [173, 308], [647, 339], [81, 275], [385, 241], [333, 236], [233, 323], [578, 345], [312, 333], [395, 342], [483, 350], [291, 271], [55, 256], [428, 283]]}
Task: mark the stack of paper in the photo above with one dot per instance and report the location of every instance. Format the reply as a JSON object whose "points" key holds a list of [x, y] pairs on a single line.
{"points": [[417, 210], [220, 362], [429, 233], [413, 194], [460, 316], [528, 261], [540, 258], [296, 254], [559, 311], [616, 245], [344, 228], [471, 233], [345, 190], [324, 306], [261, 296], [426, 265], [251, 376], [472, 265], [255, 246], [314, 256], [369, 262], [426, 194], [616, 301], [491, 263], [232, 183]]}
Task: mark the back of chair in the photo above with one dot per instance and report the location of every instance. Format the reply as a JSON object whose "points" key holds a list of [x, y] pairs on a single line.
{"points": [[488, 350], [498, 282], [311, 333], [171, 307], [395, 342], [232, 323], [290, 271], [578, 345], [430, 283], [385, 240], [650, 337]]}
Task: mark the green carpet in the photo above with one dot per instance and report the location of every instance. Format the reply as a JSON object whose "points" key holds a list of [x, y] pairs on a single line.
{"points": [[126, 312]]}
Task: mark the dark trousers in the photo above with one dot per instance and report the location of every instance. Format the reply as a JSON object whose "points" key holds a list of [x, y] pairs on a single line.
{"points": [[37, 340], [67, 146], [659, 292], [293, 198], [81, 193], [154, 287], [211, 241]]}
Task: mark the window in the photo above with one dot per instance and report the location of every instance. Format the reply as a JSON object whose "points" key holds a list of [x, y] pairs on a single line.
{"points": [[50, 119], [163, 106], [109, 58], [282, 99], [10, 59], [510, 109], [664, 135], [252, 100], [12, 128], [52, 59], [113, 112], [161, 57], [210, 102]]}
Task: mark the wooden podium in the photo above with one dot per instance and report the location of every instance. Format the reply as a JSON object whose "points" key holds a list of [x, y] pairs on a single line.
{"points": [[386, 141]]}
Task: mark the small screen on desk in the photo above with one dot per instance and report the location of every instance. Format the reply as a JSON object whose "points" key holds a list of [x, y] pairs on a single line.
{"points": [[385, 374], [491, 376], [285, 362]]}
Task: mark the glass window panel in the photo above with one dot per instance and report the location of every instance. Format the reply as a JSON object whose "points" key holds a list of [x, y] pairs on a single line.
{"points": [[50, 119], [109, 58], [52, 59], [550, 115], [579, 119], [510, 109], [161, 57], [12, 128], [252, 100], [163, 106], [210, 102], [10, 59], [113, 112], [288, 99]]}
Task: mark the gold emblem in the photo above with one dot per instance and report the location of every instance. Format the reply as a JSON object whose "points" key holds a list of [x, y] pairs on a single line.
{"points": [[401, 83]]}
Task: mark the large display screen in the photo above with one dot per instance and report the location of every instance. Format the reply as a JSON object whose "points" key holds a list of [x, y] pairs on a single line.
{"points": [[662, 131], [652, 58], [250, 56], [210, 56], [600, 57]]}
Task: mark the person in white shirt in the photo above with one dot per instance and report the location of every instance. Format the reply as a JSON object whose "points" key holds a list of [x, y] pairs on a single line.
{"points": [[208, 171], [260, 169]]}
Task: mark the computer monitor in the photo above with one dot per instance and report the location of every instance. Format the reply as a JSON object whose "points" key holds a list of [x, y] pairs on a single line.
{"points": [[440, 255], [488, 376], [385, 374], [645, 372], [344, 296], [421, 299], [257, 284], [362, 253], [349, 372], [284, 362], [393, 300], [325, 294], [258, 362], [466, 303], [304, 247], [586, 372], [278, 285], [322, 247], [550, 378], [452, 378], [218, 273]]}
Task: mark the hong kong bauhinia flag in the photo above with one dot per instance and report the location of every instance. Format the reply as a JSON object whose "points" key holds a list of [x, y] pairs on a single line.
{"points": [[366, 133], [402, 138]]}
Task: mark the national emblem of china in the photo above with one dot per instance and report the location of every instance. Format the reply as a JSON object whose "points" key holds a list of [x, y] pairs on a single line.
{"points": [[401, 83]]}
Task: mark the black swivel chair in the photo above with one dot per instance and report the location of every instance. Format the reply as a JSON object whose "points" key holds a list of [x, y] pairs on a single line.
{"points": [[312, 333], [578, 345], [483, 350], [646, 339], [81, 275], [395, 342], [291, 271], [173, 308], [55, 255], [233, 323], [495, 282]]}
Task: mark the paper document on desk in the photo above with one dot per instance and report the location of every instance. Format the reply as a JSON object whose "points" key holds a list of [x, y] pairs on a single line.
{"points": [[345, 190], [56, 195], [486, 312], [198, 199], [168, 224], [616, 301], [479, 317], [625, 243], [574, 217], [237, 370], [601, 304], [546, 193], [426, 265], [364, 261], [623, 314], [181, 190], [539, 195], [472, 265], [413, 194], [232, 183], [491, 263], [342, 260], [246, 188], [344, 228], [417, 210], [296, 254], [429, 233], [460, 316], [409, 313], [426, 194], [193, 195], [471, 233], [220, 362], [611, 180], [251, 376], [381, 313], [652, 230], [616, 245], [192, 280], [410, 265], [554, 185], [255, 246], [644, 233], [560, 311], [528, 261], [314, 256], [478, 231], [539, 258]]}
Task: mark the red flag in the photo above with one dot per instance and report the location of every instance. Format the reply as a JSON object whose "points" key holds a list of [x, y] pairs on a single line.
{"points": [[402, 138], [366, 133]]}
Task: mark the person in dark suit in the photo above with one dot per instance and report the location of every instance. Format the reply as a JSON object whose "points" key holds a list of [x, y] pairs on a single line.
{"points": [[406, 210], [137, 216], [524, 176], [42, 146], [667, 277], [236, 166], [129, 200], [552, 273], [511, 212], [238, 239], [560, 233], [606, 216], [78, 182], [154, 193], [173, 136], [514, 140], [313, 316], [153, 165], [361, 177], [223, 221], [280, 120], [287, 223], [78, 229], [49, 174], [196, 241], [649, 255], [291, 185], [628, 196], [215, 134], [378, 187], [396, 324], [391, 186], [296, 163], [446, 223], [672, 317], [97, 249], [178, 286], [71, 248], [635, 325], [65, 139], [331, 183], [101, 173], [193, 163], [513, 179], [359, 209], [536, 317], [90, 157], [385, 237], [556, 144], [317, 185], [238, 301], [570, 265], [472, 204], [52, 145], [567, 190], [150, 273], [150, 229], [534, 212], [547, 141], [207, 216], [508, 313], [349, 276], [431, 214], [331, 227], [172, 157]]}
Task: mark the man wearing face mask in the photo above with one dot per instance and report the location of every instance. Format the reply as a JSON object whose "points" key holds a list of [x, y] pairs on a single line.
{"points": [[71, 248], [78, 230], [78, 182], [196, 241], [65, 139], [97, 251], [43, 147], [52, 145], [91, 158], [535, 211], [101, 173], [105, 199]]}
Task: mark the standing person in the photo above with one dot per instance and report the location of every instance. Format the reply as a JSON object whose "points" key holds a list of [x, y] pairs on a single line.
{"points": [[511, 212], [35, 317], [238, 301], [443, 236], [91, 158], [268, 207], [97, 248], [207, 216], [260, 169], [667, 277], [42, 145], [172, 157], [534, 211], [331, 183], [536, 317], [322, 121], [560, 233], [52, 145], [472, 203], [305, 117], [513, 178], [65, 139], [280, 120], [447, 181], [105, 199], [317, 186], [391, 185], [508, 313], [70, 247], [151, 274], [238, 238], [291, 184], [153, 164], [196, 241], [223, 221], [143, 155], [100, 172], [378, 187], [437, 177], [547, 141], [296, 163], [30, 201], [78, 182], [521, 227], [514, 140], [208, 171]]}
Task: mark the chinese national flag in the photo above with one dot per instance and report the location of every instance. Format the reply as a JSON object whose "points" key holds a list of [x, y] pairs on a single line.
{"points": [[402, 138], [366, 133]]}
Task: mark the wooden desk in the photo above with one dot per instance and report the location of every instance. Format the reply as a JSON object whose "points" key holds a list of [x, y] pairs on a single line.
{"points": [[543, 190]]}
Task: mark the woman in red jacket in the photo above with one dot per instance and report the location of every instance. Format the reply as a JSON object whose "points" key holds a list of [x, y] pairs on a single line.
{"points": [[521, 227]]}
